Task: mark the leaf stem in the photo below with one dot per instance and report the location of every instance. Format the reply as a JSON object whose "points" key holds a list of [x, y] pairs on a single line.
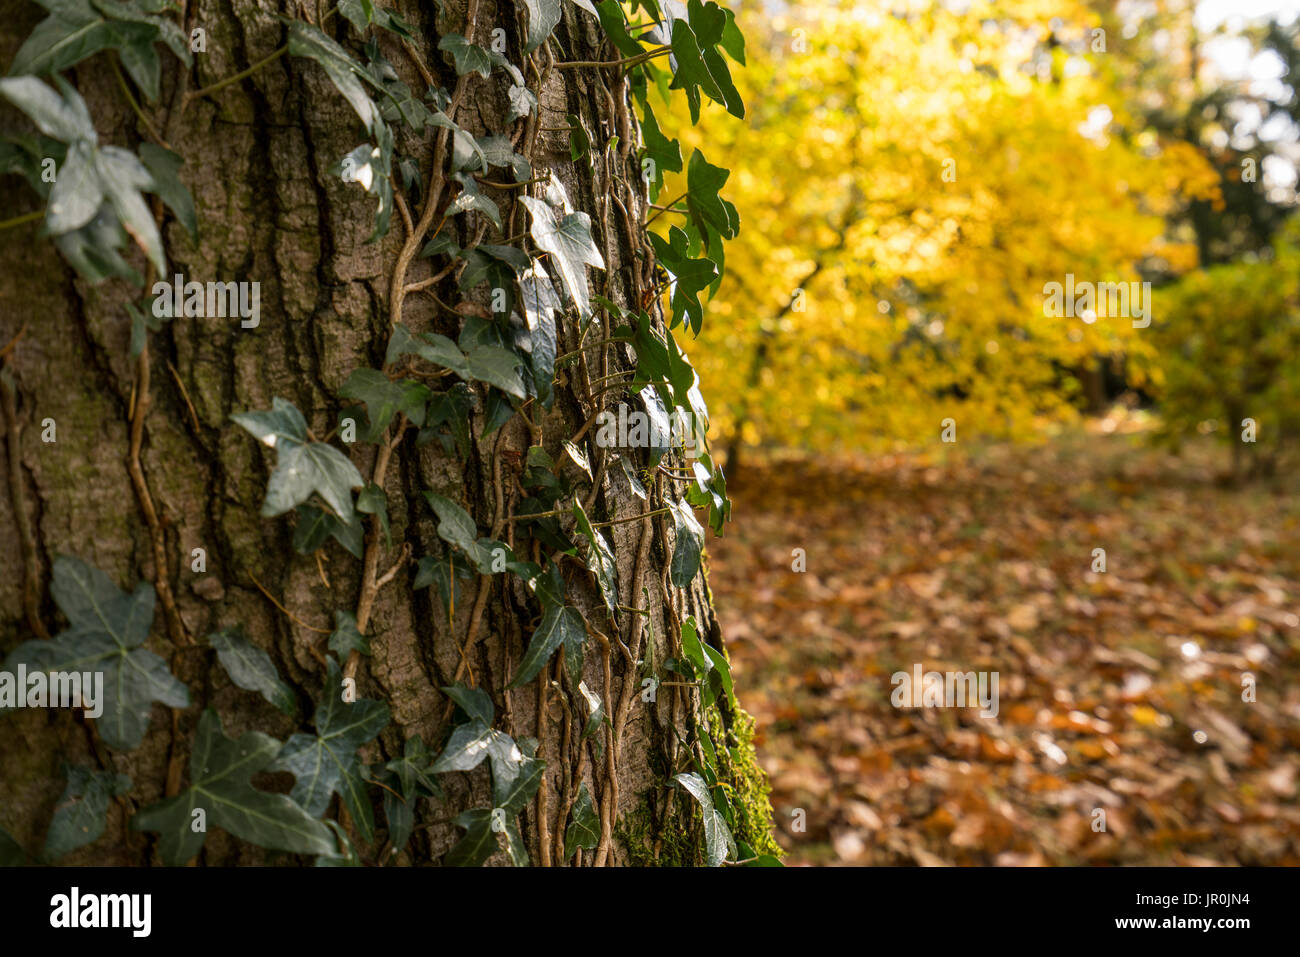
{"points": [[20, 220], [221, 84], [135, 106], [626, 61]]}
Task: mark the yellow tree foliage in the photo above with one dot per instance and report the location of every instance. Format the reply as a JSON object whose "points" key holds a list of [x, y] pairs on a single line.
{"points": [[909, 178]]}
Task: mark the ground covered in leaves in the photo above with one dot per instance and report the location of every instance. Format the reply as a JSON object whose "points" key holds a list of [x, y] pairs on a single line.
{"points": [[1120, 691]]}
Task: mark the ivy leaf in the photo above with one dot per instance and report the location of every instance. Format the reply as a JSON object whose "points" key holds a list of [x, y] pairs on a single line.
{"points": [[164, 165], [327, 761], [693, 649], [470, 198], [523, 101], [75, 30], [595, 712], [690, 73], [495, 365], [346, 636], [512, 791], [718, 842], [373, 501], [543, 15], [569, 242], [475, 702], [385, 398], [79, 816], [690, 276], [479, 842], [468, 745], [92, 180], [122, 176], [469, 57], [76, 195], [220, 769], [66, 118], [540, 304], [316, 526], [93, 250], [579, 138], [252, 669], [706, 208], [430, 346], [282, 423], [344, 72], [362, 13], [584, 827], [455, 526], [302, 467], [560, 625], [599, 559], [687, 544], [665, 153], [106, 628]]}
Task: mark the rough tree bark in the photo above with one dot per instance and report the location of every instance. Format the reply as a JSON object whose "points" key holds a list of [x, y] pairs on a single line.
{"points": [[257, 158]]}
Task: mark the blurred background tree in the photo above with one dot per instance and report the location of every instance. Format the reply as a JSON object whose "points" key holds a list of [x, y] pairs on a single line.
{"points": [[910, 176]]}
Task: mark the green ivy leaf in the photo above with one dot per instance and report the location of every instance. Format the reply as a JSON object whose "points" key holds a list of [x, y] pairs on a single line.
{"points": [[384, 398], [513, 790], [327, 761], [302, 467], [75, 30], [543, 15], [479, 842], [430, 346], [316, 526], [79, 816], [106, 628], [475, 702], [344, 72], [455, 526], [560, 625], [470, 198], [468, 57], [541, 304], [584, 827], [569, 242], [600, 559], [687, 544], [252, 669], [64, 118], [346, 636], [706, 208], [718, 842], [373, 501], [666, 153], [496, 366], [164, 166], [690, 276], [220, 769]]}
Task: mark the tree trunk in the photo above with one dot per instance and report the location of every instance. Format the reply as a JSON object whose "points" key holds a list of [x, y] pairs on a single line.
{"points": [[258, 157]]}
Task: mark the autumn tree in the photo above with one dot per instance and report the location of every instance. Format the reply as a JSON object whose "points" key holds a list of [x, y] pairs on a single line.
{"points": [[901, 225], [307, 313]]}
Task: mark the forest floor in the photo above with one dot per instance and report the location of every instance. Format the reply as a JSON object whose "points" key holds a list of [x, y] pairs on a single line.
{"points": [[1119, 691]]}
